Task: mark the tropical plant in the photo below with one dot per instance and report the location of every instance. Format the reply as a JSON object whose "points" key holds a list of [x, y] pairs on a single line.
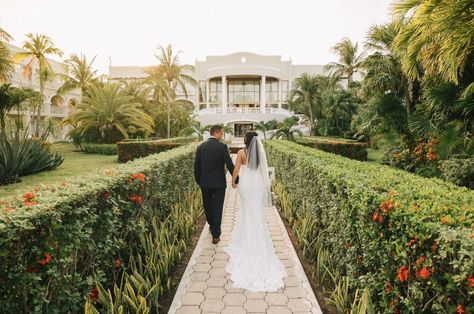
{"points": [[107, 109], [195, 130], [306, 98], [37, 48], [6, 61], [80, 75], [10, 98], [263, 127], [228, 129], [349, 60], [287, 130], [176, 75]]}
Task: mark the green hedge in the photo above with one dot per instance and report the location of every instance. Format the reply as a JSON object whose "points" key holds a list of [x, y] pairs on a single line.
{"points": [[102, 149], [347, 148], [408, 239], [130, 150], [56, 243]]}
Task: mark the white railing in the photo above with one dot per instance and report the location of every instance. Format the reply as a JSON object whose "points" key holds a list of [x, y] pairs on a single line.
{"points": [[210, 111]]}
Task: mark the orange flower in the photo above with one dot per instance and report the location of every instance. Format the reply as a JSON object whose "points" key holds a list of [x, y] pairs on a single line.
{"points": [[375, 216], [470, 281], [420, 260], [117, 263], [425, 273], [136, 198], [403, 273], [380, 219], [412, 242], [27, 203], [47, 258], [29, 196], [460, 309], [139, 176], [9, 209], [387, 206]]}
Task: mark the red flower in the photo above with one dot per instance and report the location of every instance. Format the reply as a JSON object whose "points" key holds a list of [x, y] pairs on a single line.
{"points": [[380, 219], [412, 242], [388, 287], [29, 196], [470, 281], [403, 273], [47, 258], [425, 273], [136, 198], [375, 216], [94, 294], [106, 194], [460, 309], [117, 263]]}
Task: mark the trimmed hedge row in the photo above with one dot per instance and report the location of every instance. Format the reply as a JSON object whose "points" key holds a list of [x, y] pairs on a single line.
{"points": [[101, 149], [347, 148], [55, 244], [409, 239], [130, 150]]}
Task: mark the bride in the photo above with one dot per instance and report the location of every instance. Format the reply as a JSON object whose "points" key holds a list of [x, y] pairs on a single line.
{"points": [[253, 264]]}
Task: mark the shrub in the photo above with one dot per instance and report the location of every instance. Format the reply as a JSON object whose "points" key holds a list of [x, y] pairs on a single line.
{"points": [[459, 170], [130, 150], [347, 148], [408, 239], [56, 243], [102, 149]]}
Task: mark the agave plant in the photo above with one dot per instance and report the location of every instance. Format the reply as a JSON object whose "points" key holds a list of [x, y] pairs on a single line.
{"points": [[21, 155]]}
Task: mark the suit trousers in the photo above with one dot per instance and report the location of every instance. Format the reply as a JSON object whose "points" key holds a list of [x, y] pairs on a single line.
{"points": [[213, 201]]}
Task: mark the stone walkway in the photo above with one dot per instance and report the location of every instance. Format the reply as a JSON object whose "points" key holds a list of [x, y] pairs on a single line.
{"points": [[206, 287]]}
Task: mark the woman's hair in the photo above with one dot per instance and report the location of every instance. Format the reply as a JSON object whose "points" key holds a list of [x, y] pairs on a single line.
{"points": [[248, 138]]}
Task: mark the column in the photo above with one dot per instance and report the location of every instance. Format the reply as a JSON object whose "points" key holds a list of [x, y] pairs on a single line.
{"points": [[262, 94], [207, 94], [279, 94], [224, 94]]}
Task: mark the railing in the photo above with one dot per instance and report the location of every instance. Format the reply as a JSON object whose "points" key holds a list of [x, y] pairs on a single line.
{"points": [[209, 111], [58, 110]]}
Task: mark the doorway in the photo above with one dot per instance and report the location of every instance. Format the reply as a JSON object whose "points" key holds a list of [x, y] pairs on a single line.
{"points": [[241, 128]]}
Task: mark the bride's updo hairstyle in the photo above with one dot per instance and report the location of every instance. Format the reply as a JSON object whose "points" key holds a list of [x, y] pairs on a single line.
{"points": [[253, 160], [248, 138]]}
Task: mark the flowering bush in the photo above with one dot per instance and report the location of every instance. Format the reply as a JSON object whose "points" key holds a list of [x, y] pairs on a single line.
{"points": [[409, 239], [57, 242]]}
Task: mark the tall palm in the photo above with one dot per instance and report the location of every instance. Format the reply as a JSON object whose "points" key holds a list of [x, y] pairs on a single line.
{"points": [[175, 74], [349, 60], [106, 108], [306, 96], [6, 62], [263, 127], [162, 92], [287, 130], [139, 92], [81, 74], [38, 47]]}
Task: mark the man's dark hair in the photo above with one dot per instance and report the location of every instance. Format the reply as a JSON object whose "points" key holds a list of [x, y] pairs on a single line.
{"points": [[215, 128]]}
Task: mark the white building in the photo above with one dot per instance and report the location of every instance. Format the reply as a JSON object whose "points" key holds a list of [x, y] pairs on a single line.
{"points": [[54, 106], [239, 89]]}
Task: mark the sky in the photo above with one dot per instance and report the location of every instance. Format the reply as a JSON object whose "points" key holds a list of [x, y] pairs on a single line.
{"points": [[128, 32]]}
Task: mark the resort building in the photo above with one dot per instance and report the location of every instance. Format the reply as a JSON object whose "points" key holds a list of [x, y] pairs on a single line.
{"points": [[239, 89], [55, 107]]}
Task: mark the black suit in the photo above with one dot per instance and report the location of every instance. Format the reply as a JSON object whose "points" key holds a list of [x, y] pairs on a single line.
{"points": [[209, 172]]}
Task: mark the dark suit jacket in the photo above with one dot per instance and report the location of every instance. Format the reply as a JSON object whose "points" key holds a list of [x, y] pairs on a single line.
{"points": [[209, 171]]}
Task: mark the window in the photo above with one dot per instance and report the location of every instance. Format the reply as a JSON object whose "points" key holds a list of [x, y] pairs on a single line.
{"points": [[271, 89], [284, 91], [215, 91], [244, 92], [202, 91]]}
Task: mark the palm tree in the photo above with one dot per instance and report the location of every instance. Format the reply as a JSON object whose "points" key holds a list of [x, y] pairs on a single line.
{"points": [[306, 96], [228, 129], [38, 47], [108, 109], [196, 130], [339, 106], [287, 130], [263, 127], [175, 74], [81, 74], [349, 60], [6, 62]]}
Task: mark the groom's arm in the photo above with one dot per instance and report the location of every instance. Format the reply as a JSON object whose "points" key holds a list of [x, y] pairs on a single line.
{"points": [[197, 165], [228, 162]]}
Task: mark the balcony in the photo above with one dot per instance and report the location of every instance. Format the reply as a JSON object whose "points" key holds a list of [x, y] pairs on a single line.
{"points": [[217, 115]]}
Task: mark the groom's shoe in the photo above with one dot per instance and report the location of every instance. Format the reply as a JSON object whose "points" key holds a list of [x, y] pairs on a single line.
{"points": [[215, 240]]}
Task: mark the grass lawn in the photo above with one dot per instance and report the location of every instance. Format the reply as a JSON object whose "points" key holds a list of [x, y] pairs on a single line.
{"points": [[374, 156], [75, 163]]}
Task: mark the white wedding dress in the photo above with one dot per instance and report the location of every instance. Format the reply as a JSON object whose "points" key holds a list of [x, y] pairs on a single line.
{"points": [[253, 263]]}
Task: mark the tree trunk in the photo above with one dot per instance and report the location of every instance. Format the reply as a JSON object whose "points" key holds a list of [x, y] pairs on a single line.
{"points": [[169, 121], [38, 113]]}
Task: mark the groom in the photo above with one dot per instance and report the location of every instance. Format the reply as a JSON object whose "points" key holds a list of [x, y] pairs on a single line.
{"points": [[209, 173]]}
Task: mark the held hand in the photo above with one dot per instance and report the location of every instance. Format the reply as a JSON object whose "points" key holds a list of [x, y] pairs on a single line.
{"points": [[234, 185]]}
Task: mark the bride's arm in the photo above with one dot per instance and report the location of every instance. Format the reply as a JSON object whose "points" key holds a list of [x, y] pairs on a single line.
{"points": [[238, 162]]}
